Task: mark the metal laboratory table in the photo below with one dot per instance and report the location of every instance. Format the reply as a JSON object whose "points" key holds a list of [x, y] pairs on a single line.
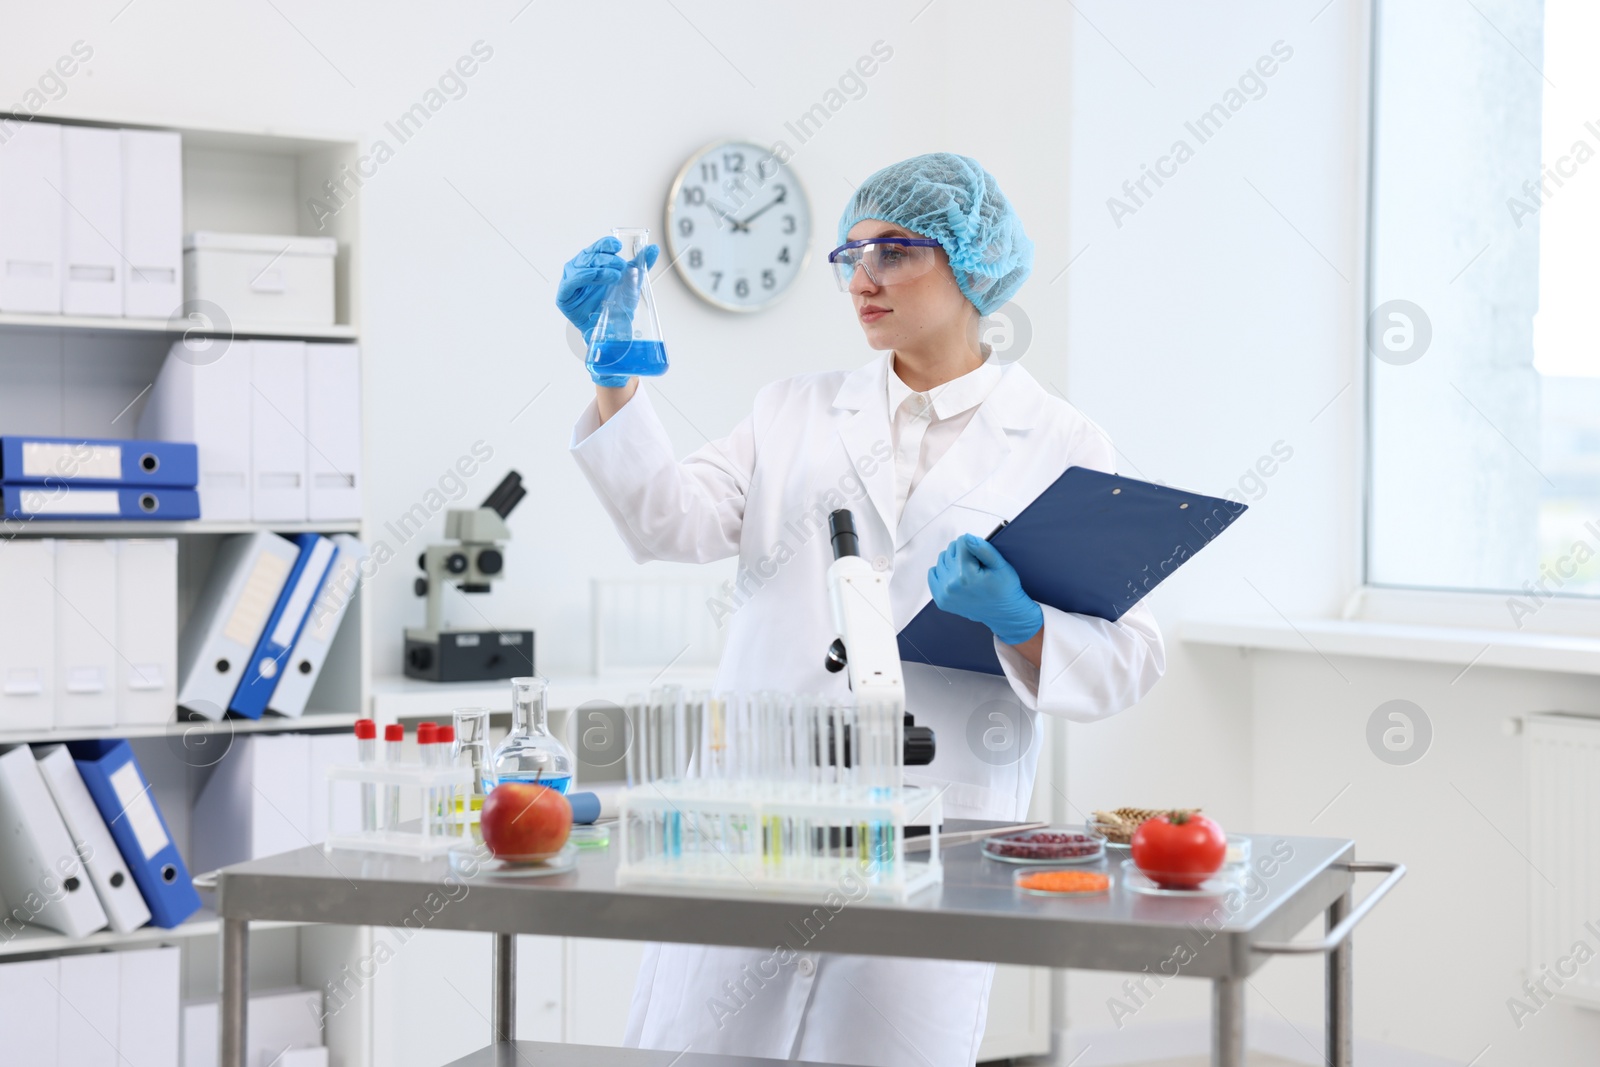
{"points": [[975, 915]]}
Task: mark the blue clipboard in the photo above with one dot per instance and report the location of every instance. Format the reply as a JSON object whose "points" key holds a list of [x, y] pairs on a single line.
{"points": [[1091, 544]]}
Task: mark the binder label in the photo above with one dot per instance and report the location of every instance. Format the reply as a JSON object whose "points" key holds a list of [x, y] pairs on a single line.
{"points": [[43, 459], [299, 600], [257, 599], [77, 502], [140, 810]]}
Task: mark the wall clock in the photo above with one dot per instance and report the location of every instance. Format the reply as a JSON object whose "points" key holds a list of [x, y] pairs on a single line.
{"points": [[738, 225]]}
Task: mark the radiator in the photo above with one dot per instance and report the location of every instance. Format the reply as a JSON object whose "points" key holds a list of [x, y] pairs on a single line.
{"points": [[1563, 783]]}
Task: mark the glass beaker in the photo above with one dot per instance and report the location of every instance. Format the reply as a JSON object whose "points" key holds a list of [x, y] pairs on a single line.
{"points": [[472, 749], [626, 339], [530, 752]]}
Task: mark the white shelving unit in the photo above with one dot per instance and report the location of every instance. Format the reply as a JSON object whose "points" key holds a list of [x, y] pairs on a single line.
{"points": [[226, 727], [36, 941], [91, 324], [139, 528], [71, 375]]}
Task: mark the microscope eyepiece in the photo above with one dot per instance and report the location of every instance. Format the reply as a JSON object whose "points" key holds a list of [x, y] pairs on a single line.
{"points": [[507, 495], [842, 532]]}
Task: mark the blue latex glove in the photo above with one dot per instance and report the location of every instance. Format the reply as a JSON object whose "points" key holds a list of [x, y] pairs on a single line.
{"points": [[586, 280], [973, 580]]}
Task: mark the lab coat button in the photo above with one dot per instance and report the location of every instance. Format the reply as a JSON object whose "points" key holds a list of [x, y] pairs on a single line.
{"points": [[807, 966], [881, 563]]}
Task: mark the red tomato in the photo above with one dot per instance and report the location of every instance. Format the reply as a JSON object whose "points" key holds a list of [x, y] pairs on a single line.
{"points": [[1178, 851]]}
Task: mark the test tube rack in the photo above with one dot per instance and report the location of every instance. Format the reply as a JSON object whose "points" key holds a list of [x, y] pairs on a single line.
{"points": [[390, 793], [778, 837], [771, 792]]}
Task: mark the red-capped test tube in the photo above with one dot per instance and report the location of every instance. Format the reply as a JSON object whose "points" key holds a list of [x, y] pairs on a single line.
{"points": [[367, 753], [444, 756], [394, 736], [427, 746]]}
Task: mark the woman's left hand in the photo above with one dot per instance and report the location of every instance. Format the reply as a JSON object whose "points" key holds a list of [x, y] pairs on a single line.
{"points": [[973, 580]]}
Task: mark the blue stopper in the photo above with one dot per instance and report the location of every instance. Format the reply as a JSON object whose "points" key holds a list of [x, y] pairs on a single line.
{"points": [[585, 807]]}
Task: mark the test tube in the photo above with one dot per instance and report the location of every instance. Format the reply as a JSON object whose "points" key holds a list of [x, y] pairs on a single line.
{"points": [[394, 736], [444, 756], [367, 754], [427, 743], [633, 758]]}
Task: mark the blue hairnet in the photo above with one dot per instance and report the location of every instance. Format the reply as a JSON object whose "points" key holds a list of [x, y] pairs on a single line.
{"points": [[956, 202]]}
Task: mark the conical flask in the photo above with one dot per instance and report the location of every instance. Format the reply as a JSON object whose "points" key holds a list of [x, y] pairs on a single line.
{"points": [[627, 338]]}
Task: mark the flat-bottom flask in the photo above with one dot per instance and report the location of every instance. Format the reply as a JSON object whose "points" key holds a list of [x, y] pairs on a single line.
{"points": [[530, 753]]}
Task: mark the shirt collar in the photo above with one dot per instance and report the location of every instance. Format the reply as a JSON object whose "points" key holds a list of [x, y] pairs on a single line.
{"points": [[953, 397]]}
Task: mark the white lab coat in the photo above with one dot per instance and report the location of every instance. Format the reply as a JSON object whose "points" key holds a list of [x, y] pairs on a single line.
{"points": [[763, 493]]}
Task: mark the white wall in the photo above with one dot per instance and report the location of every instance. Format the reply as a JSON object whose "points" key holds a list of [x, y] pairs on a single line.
{"points": [[1212, 324], [577, 123]]}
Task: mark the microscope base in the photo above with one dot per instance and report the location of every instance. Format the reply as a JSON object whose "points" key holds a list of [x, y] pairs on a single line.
{"points": [[469, 655]]}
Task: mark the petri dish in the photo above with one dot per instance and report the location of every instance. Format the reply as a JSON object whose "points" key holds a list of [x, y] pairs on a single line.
{"points": [[474, 861], [1057, 845], [1238, 855], [1214, 885], [590, 835], [1072, 882]]}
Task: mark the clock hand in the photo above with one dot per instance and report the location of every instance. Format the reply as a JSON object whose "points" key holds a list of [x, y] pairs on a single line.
{"points": [[735, 223], [775, 202]]}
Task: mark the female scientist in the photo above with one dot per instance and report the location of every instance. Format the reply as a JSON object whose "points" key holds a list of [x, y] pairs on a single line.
{"points": [[932, 445]]}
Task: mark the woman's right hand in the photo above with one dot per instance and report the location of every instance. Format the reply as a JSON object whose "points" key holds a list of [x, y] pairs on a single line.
{"points": [[586, 279]]}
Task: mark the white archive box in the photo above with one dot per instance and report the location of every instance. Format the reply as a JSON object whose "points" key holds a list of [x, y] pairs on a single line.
{"points": [[261, 278], [278, 453], [30, 218], [91, 175], [27, 634], [203, 396], [152, 222], [147, 631], [86, 629], [333, 431]]}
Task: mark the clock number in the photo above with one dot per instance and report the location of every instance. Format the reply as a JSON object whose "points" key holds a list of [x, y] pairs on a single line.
{"points": [[694, 258], [768, 280], [741, 288], [734, 161], [783, 254], [761, 168], [716, 279], [788, 224], [708, 172], [783, 193], [694, 194], [686, 226]]}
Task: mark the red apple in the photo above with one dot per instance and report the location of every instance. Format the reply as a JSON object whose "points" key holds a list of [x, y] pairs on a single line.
{"points": [[523, 819]]}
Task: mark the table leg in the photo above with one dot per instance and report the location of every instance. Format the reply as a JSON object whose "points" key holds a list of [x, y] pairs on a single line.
{"points": [[1227, 1022], [235, 990], [1340, 1031], [503, 1022]]}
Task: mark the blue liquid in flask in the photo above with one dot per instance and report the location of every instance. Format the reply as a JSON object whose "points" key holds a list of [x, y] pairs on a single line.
{"points": [[645, 359], [560, 783]]}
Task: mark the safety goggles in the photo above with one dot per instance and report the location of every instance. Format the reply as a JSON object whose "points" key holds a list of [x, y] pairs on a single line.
{"points": [[886, 260]]}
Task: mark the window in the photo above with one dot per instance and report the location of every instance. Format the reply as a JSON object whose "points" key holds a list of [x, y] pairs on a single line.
{"points": [[1484, 297]]}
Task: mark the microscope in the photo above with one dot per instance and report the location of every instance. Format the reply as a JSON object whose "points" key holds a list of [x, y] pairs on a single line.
{"points": [[471, 560], [868, 647]]}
